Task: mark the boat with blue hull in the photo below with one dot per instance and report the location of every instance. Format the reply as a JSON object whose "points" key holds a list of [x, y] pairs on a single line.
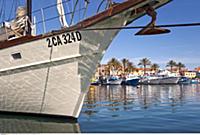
{"points": [[131, 80], [114, 80], [194, 81], [184, 80]]}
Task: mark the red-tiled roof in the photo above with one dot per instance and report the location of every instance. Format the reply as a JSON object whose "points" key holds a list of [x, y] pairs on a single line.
{"points": [[197, 69]]}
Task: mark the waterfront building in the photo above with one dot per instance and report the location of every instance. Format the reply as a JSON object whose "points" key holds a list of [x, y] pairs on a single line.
{"points": [[190, 74], [105, 70], [197, 69], [140, 71]]}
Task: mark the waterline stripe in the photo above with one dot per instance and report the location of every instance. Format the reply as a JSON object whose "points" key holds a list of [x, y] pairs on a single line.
{"points": [[41, 65]]}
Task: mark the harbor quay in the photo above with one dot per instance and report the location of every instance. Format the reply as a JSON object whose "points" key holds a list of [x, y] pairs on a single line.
{"points": [[126, 73]]}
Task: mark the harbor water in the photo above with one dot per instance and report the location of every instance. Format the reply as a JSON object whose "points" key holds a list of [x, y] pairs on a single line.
{"points": [[123, 109]]}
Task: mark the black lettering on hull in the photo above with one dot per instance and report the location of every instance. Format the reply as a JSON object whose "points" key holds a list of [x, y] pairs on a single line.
{"points": [[64, 39], [78, 36], [59, 42]]}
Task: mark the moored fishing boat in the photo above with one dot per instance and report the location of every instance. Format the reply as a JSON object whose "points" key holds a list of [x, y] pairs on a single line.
{"points": [[162, 78], [184, 80], [194, 81], [50, 73], [131, 80], [114, 80]]}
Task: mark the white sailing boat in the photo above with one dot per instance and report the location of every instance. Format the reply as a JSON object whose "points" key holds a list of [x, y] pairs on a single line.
{"points": [[49, 74]]}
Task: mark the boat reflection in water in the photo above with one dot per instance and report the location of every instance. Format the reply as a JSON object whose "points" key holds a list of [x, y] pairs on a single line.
{"points": [[102, 100], [156, 108], [149, 109], [28, 124]]}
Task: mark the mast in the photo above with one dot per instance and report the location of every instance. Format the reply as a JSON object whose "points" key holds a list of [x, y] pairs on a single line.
{"points": [[29, 14]]}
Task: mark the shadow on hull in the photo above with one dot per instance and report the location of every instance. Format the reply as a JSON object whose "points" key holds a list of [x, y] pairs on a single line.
{"points": [[13, 123]]}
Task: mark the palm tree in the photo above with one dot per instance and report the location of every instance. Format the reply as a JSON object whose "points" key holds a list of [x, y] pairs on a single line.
{"points": [[171, 64], [114, 64], [144, 62], [180, 66], [155, 67], [124, 64], [130, 67]]}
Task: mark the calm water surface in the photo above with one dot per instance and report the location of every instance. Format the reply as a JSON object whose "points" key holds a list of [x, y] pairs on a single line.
{"points": [[146, 109], [123, 109]]}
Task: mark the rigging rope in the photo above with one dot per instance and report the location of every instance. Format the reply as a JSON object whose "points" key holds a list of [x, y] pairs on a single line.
{"points": [[2, 14], [139, 27], [98, 9], [52, 18], [34, 11], [76, 3]]}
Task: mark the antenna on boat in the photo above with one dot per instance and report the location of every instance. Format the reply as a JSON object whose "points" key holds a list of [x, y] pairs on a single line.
{"points": [[151, 28], [29, 14]]}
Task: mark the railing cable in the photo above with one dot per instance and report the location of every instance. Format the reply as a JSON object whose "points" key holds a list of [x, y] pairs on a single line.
{"points": [[139, 27]]}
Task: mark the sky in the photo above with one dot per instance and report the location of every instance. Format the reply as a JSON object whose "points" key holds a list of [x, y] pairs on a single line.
{"points": [[181, 45]]}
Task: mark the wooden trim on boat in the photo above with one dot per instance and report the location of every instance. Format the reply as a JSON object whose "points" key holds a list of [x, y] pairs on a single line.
{"points": [[110, 12], [84, 24]]}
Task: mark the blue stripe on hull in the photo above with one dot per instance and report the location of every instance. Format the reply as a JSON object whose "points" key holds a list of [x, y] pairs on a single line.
{"points": [[132, 82]]}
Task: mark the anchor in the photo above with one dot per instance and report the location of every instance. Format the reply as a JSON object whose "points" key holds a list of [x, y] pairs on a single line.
{"points": [[151, 28]]}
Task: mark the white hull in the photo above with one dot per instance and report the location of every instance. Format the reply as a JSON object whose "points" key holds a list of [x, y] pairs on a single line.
{"points": [[115, 82], [54, 80], [162, 80]]}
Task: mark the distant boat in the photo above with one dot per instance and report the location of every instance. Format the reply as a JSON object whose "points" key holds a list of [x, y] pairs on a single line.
{"points": [[106, 81], [114, 81], [184, 80], [160, 80], [194, 81], [131, 80], [102, 80], [169, 80], [164, 77], [95, 81]]}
